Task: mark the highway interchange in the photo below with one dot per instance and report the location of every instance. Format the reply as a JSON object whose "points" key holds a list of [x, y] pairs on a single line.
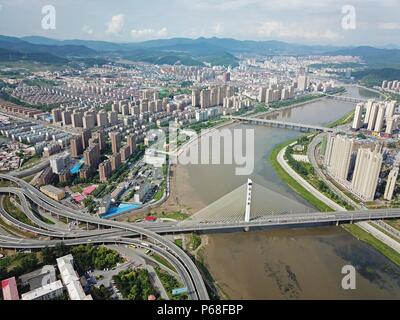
{"points": [[145, 235], [107, 232]]}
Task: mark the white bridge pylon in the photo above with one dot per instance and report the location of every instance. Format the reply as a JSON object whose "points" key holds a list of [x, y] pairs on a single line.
{"points": [[247, 213], [247, 203]]}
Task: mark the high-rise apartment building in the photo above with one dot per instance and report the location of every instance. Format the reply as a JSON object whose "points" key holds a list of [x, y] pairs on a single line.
{"points": [[391, 184], [105, 170], [66, 118], [302, 82], [205, 99], [390, 108], [262, 96], [115, 141], [77, 120], [101, 136], [76, 146], [92, 156], [269, 98], [89, 121], [56, 113], [366, 173], [357, 122], [102, 119], [380, 118], [115, 161], [86, 135], [368, 108], [372, 116], [131, 139], [125, 153], [391, 124], [338, 156]]}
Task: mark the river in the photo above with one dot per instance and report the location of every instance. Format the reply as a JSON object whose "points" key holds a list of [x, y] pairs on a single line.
{"points": [[285, 263]]}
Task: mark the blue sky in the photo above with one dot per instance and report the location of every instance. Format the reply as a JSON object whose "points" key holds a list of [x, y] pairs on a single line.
{"points": [[300, 21]]}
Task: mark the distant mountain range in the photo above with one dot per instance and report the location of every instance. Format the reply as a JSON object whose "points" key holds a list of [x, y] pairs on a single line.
{"points": [[201, 51]]}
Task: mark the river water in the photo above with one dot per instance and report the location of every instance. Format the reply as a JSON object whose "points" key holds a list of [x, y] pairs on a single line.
{"points": [[285, 263]]}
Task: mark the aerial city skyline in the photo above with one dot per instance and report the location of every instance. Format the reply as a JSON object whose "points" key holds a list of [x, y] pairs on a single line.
{"points": [[160, 152]]}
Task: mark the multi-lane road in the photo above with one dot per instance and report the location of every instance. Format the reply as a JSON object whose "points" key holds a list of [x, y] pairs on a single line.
{"points": [[110, 232]]}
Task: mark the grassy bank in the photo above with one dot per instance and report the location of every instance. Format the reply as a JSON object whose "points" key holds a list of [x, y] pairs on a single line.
{"points": [[163, 261], [343, 120], [292, 182], [16, 213], [364, 236], [354, 230]]}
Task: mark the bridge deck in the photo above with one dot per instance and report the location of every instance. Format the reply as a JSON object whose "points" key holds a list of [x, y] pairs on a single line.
{"points": [[284, 124]]}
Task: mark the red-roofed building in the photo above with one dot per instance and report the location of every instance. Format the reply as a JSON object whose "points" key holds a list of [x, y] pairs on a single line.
{"points": [[78, 198], [89, 190], [150, 218], [10, 290]]}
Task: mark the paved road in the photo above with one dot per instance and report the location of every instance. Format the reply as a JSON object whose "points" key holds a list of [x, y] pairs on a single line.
{"points": [[395, 245], [305, 184], [188, 269], [312, 157]]}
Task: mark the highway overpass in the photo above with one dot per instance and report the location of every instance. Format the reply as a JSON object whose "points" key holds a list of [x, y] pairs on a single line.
{"points": [[190, 273]]}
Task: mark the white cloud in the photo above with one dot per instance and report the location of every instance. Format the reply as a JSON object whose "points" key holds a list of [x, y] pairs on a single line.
{"points": [[390, 26], [87, 29], [116, 24], [218, 29], [270, 4], [148, 33], [162, 32], [294, 31]]}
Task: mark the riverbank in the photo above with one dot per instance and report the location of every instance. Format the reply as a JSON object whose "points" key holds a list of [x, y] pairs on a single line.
{"points": [[291, 182], [361, 232]]}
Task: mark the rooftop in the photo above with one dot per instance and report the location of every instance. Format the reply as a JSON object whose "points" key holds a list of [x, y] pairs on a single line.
{"points": [[42, 291]]}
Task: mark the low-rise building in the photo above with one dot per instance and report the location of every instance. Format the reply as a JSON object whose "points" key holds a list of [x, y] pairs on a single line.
{"points": [[47, 292], [53, 192], [71, 279], [10, 289]]}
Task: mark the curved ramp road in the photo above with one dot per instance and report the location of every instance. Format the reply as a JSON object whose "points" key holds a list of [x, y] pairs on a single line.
{"points": [[56, 208]]}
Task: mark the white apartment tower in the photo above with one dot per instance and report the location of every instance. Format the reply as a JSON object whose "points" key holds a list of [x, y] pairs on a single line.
{"points": [[302, 82], [390, 108], [269, 95], [372, 116], [357, 122], [380, 118], [368, 108], [391, 184], [391, 124], [340, 157], [328, 150], [196, 98], [366, 173], [262, 95]]}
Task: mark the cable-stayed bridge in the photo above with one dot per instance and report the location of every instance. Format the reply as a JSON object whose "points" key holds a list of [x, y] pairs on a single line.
{"points": [[246, 208]]}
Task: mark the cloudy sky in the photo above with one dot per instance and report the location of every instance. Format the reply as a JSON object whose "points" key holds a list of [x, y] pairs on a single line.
{"points": [[377, 22]]}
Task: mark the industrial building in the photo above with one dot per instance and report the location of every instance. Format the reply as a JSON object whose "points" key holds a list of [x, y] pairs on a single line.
{"points": [[53, 192]]}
